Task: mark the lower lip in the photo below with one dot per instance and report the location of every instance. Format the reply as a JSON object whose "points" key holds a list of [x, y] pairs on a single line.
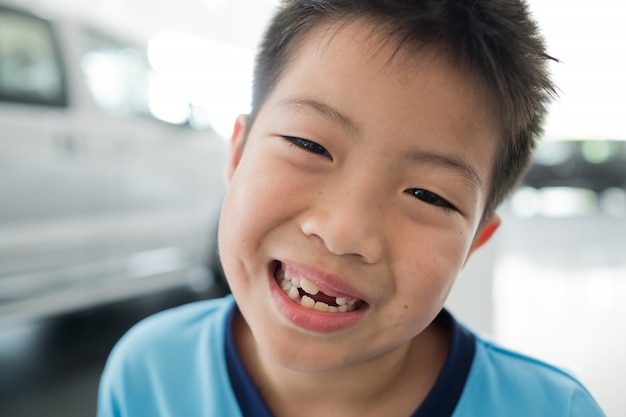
{"points": [[312, 320]]}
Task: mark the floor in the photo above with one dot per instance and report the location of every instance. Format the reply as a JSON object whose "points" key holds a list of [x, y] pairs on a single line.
{"points": [[559, 291]]}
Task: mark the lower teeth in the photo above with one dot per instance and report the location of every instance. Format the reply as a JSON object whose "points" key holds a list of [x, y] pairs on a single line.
{"points": [[291, 288]]}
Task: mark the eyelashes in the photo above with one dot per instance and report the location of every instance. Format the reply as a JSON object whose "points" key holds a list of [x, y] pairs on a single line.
{"points": [[308, 146], [431, 198], [420, 194]]}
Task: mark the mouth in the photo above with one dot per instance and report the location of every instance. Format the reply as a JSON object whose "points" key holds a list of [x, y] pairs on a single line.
{"points": [[307, 294]]}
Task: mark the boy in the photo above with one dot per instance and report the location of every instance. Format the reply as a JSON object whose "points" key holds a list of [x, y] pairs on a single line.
{"points": [[383, 135]]}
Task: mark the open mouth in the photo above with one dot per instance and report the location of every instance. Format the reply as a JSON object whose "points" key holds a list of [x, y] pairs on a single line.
{"points": [[307, 294]]}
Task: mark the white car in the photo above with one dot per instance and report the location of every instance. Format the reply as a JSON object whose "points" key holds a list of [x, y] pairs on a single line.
{"points": [[99, 200]]}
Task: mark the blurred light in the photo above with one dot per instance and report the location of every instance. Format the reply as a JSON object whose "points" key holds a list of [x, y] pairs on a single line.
{"points": [[199, 117], [210, 75], [554, 153], [567, 202], [105, 79], [154, 262], [596, 152], [167, 102], [553, 202], [117, 79], [613, 201], [525, 202]]}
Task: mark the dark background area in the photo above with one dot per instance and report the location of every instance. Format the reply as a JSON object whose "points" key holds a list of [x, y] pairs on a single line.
{"points": [[58, 375]]}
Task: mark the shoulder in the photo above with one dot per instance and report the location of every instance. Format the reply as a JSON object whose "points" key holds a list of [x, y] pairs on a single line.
{"points": [[504, 363], [173, 360], [172, 333], [178, 324], [515, 384]]}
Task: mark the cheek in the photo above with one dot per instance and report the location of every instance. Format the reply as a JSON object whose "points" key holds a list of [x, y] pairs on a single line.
{"points": [[256, 203], [239, 222], [430, 268]]}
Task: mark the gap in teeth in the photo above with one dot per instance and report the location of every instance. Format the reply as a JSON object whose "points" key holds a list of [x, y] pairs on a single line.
{"points": [[301, 291]]}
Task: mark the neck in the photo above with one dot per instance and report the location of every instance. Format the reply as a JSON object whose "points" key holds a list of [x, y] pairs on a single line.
{"points": [[394, 383]]}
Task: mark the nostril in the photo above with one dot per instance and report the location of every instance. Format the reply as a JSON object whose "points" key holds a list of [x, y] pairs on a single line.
{"points": [[345, 232]]}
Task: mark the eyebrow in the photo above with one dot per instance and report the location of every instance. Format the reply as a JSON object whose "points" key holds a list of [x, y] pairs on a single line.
{"points": [[324, 110], [463, 168], [466, 170]]}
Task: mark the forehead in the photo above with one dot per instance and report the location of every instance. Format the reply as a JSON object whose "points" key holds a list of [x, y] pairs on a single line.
{"points": [[364, 48]]}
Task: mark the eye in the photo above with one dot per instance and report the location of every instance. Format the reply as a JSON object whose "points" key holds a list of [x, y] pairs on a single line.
{"points": [[308, 146], [431, 198]]}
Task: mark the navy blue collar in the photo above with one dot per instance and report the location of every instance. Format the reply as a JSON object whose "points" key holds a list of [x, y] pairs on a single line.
{"points": [[440, 401], [445, 393]]}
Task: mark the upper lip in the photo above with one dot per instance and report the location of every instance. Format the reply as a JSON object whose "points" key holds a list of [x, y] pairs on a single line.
{"points": [[327, 282]]}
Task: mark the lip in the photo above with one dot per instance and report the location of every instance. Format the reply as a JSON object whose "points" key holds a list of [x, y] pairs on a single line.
{"points": [[308, 319]]}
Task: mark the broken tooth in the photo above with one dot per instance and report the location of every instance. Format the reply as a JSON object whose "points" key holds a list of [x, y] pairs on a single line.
{"points": [[320, 306], [309, 287], [307, 302]]}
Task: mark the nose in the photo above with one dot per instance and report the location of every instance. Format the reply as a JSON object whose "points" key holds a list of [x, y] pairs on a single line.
{"points": [[347, 223]]}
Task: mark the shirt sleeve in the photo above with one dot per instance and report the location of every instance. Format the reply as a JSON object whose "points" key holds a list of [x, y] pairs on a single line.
{"points": [[171, 364], [109, 395], [584, 405]]}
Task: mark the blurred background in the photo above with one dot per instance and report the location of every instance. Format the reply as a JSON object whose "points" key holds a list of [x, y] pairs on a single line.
{"points": [[113, 119]]}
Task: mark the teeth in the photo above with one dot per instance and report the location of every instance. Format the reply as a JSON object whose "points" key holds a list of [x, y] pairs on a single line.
{"points": [[294, 281], [291, 287], [309, 287], [319, 306], [307, 302], [293, 293]]}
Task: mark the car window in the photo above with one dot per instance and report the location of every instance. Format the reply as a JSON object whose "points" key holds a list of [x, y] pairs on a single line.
{"points": [[30, 68], [116, 74]]}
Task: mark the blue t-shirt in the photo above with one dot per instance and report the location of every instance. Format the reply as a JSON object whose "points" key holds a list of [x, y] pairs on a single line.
{"points": [[182, 362]]}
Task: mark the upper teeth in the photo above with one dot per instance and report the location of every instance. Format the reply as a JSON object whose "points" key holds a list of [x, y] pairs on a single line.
{"points": [[290, 286], [309, 287]]}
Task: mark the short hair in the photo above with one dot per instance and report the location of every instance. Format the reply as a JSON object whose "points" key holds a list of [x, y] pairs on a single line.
{"points": [[496, 40]]}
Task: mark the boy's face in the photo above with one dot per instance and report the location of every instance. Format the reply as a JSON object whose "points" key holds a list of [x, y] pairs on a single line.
{"points": [[365, 177]]}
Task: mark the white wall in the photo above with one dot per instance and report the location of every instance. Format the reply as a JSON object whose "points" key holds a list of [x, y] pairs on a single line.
{"points": [[471, 298]]}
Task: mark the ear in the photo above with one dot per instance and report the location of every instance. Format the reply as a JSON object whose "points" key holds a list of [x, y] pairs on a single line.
{"points": [[485, 234], [236, 146]]}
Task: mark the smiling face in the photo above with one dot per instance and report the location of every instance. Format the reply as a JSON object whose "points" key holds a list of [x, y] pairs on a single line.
{"points": [[355, 202]]}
